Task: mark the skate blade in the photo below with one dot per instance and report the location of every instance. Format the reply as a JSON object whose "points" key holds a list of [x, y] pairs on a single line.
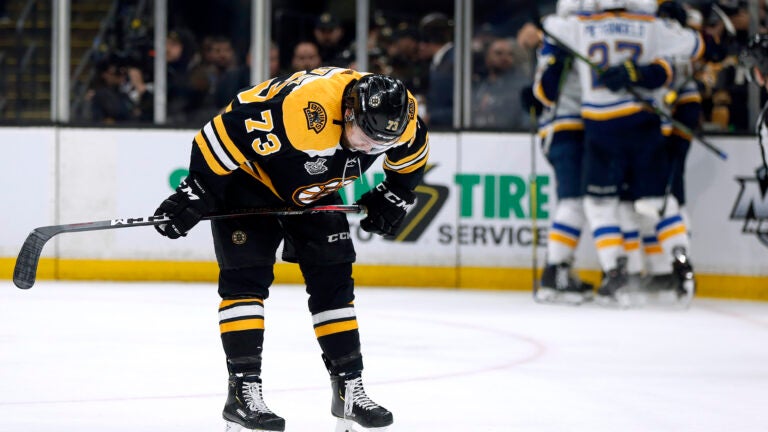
{"points": [[346, 425], [662, 299], [616, 301], [552, 296], [236, 427]]}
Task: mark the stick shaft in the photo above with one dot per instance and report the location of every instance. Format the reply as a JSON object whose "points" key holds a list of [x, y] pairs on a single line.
{"points": [[25, 271]]}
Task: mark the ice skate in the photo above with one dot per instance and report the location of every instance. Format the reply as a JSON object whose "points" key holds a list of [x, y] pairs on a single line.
{"points": [[683, 271], [614, 289], [560, 285], [245, 409], [354, 409], [660, 289]]}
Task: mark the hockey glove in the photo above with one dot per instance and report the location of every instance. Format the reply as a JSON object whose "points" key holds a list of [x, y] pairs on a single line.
{"points": [[620, 76], [629, 74], [529, 101], [386, 206], [185, 208]]}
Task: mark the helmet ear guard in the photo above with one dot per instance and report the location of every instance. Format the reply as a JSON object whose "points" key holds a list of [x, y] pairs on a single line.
{"points": [[380, 107]]}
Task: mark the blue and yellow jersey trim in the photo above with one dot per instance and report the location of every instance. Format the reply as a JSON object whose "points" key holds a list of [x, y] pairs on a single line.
{"points": [[667, 69], [622, 108], [538, 92], [564, 234], [561, 124]]}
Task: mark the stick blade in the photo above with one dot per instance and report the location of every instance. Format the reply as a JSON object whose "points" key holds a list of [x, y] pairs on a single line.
{"points": [[25, 272]]}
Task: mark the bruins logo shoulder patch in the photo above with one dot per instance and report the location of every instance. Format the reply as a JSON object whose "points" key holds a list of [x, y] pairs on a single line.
{"points": [[316, 117], [411, 109]]}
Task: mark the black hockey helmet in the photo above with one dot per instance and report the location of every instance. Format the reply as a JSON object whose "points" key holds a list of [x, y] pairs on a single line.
{"points": [[380, 106], [754, 58]]}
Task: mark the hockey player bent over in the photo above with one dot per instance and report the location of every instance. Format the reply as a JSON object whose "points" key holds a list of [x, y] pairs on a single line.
{"points": [[623, 140], [296, 141]]}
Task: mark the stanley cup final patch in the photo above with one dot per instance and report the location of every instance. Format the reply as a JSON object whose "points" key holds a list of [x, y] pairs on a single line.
{"points": [[315, 167]]}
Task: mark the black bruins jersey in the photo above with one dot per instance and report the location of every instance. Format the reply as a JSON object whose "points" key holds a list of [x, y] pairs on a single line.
{"points": [[285, 133]]}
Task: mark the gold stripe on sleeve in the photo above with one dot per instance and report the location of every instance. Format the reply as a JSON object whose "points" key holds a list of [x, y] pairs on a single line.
{"points": [[218, 123], [210, 159]]}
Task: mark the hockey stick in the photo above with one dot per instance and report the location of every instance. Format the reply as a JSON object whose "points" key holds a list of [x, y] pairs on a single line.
{"points": [[680, 126], [534, 203], [25, 271]]}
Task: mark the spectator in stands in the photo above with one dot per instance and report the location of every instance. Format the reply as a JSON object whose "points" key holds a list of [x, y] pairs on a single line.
{"points": [[495, 101], [306, 56], [181, 57], [218, 58], [235, 80], [404, 60], [484, 35], [729, 95], [329, 38], [436, 46], [119, 93], [274, 60], [4, 18]]}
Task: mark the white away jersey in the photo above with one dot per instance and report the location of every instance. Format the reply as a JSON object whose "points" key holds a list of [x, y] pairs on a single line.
{"points": [[610, 38]]}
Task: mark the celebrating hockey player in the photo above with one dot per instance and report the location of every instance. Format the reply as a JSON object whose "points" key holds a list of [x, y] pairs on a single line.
{"points": [[683, 101], [624, 57], [562, 132], [296, 141]]}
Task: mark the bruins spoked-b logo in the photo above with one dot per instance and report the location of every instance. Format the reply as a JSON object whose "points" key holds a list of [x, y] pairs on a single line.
{"points": [[316, 116], [239, 237]]}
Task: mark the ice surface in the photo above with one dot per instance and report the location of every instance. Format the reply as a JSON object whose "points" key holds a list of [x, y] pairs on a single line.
{"points": [[147, 357]]}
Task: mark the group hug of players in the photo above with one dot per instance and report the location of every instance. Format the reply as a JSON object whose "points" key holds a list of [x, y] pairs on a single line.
{"points": [[606, 72]]}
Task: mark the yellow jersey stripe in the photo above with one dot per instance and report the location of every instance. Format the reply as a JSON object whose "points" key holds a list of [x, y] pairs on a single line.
{"points": [[240, 325], [610, 114], [668, 69], [225, 303], [559, 238], [228, 144], [538, 92], [210, 159], [411, 157], [689, 98], [666, 234], [653, 250], [337, 327], [632, 246], [408, 169], [256, 172], [700, 52], [609, 242]]}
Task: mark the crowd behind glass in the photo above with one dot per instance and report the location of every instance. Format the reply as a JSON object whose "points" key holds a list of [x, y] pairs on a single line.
{"points": [[208, 59]]}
